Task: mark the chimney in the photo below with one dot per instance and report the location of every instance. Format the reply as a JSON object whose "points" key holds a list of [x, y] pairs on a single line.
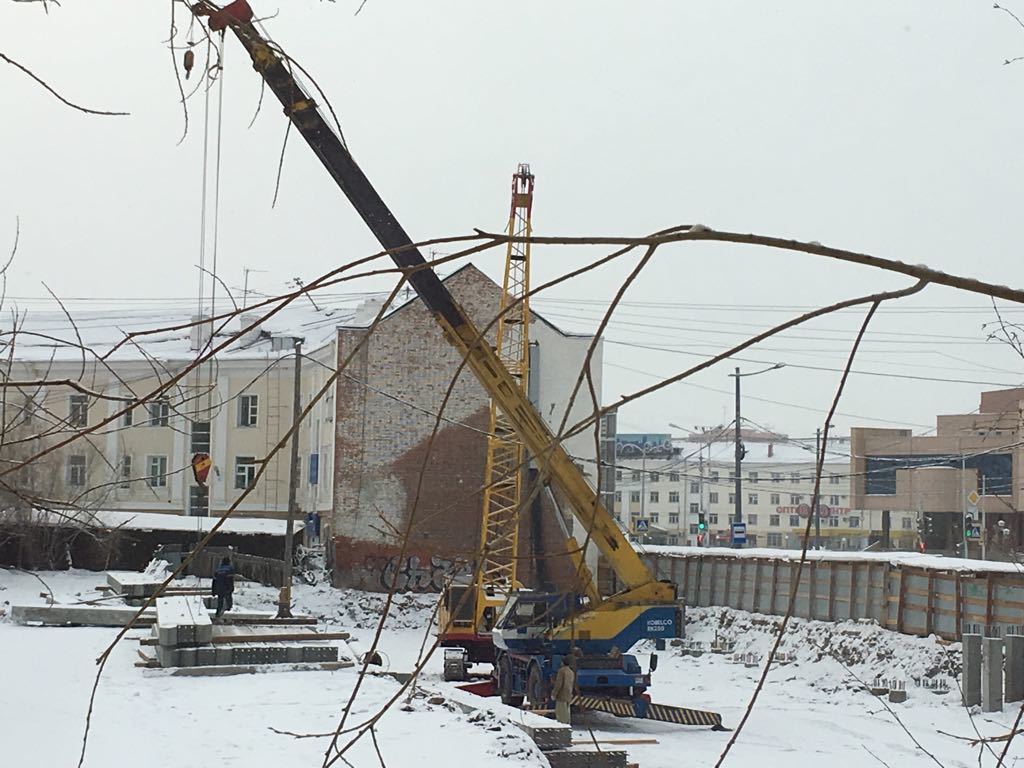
{"points": [[200, 332], [771, 450], [248, 338], [366, 312]]}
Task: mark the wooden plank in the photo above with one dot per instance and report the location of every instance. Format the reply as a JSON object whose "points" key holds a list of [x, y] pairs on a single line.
{"points": [[854, 570], [959, 607], [728, 581], [831, 591], [810, 588], [775, 585], [757, 585], [988, 599], [899, 605], [931, 604]]}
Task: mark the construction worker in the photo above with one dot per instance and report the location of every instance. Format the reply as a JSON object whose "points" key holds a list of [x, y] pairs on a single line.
{"points": [[224, 585], [561, 691]]}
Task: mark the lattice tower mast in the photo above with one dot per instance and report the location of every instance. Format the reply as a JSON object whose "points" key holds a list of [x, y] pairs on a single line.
{"points": [[505, 452]]}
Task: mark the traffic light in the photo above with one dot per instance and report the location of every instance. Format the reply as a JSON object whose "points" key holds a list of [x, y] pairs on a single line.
{"points": [[968, 526], [702, 524]]}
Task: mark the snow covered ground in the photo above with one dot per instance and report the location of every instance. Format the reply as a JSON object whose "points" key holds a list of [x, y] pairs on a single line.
{"points": [[812, 712]]}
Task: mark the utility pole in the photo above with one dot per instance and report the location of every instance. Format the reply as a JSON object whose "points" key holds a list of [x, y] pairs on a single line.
{"points": [[643, 489], [284, 606], [739, 456], [816, 501], [981, 512], [963, 503]]}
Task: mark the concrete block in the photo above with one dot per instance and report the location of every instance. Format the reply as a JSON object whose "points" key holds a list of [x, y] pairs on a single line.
{"points": [[167, 635], [79, 615], [1014, 668], [186, 657], [971, 682], [294, 653], [206, 656], [186, 616], [168, 657], [992, 675], [224, 654], [898, 696]]}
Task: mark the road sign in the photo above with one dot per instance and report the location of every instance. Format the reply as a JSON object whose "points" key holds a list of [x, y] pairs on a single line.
{"points": [[739, 533], [973, 498], [824, 510], [804, 510], [641, 525]]}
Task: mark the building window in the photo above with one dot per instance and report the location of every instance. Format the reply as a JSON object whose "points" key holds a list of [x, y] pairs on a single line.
{"points": [[714, 476], [673, 540], [618, 496], [156, 471], [673, 477], [78, 410], [752, 539], [833, 501], [713, 497], [653, 517], [654, 497], [634, 497], [732, 477], [248, 410], [198, 501], [694, 486], [795, 498], [673, 497], [773, 521], [794, 520], [618, 475], [833, 522], [908, 523], [126, 471], [776, 477], [655, 477], [76, 470], [673, 518], [129, 418], [774, 540], [751, 498], [636, 477], [752, 476], [794, 477], [713, 518], [159, 412], [693, 529], [854, 522], [245, 471], [694, 508], [752, 519], [200, 437], [774, 499], [833, 479], [732, 499]]}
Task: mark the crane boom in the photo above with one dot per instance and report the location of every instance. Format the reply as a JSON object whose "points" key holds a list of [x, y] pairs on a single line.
{"points": [[553, 461]]}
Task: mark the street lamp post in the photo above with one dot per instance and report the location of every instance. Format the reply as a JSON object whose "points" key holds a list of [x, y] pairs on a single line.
{"points": [[738, 492]]}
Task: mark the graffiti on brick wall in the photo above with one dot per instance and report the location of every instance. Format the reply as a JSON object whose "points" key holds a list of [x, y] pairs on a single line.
{"points": [[413, 574]]}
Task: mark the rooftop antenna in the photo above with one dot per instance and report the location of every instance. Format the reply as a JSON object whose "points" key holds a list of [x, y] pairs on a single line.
{"points": [[245, 285]]}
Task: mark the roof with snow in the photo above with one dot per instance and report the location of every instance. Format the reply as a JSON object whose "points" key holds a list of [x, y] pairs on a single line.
{"points": [[155, 521]]}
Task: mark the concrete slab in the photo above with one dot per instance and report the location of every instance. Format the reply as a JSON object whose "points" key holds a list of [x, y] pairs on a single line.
{"points": [[80, 615], [992, 675], [1014, 668], [971, 669], [182, 621]]}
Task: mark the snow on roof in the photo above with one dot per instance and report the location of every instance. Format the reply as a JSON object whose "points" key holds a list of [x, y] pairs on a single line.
{"points": [[936, 562], [162, 521], [788, 452]]}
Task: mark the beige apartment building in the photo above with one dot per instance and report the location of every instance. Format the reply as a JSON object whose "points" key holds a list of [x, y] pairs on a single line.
{"points": [[675, 484], [236, 408], [931, 480]]}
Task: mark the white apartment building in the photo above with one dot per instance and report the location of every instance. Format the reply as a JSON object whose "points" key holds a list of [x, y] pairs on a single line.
{"points": [[672, 486]]}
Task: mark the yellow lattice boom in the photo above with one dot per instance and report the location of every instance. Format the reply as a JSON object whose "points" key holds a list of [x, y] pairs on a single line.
{"points": [[499, 534]]}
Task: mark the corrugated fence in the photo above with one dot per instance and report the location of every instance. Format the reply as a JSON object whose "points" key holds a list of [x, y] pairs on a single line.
{"points": [[913, 599]]}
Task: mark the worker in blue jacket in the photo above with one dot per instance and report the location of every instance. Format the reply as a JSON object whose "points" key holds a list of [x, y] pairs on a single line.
{"points": [[224, 585]]}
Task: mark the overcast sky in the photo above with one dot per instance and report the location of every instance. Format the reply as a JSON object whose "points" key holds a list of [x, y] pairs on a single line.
{"points": [[887, 127]]}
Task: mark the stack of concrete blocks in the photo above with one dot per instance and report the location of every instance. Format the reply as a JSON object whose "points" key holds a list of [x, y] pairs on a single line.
{"points": [[185, 638], [135, 588], [182, 626]]}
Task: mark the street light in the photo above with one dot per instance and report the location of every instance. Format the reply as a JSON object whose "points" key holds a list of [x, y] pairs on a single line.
{"points": [[739, 445], [643, 476]]}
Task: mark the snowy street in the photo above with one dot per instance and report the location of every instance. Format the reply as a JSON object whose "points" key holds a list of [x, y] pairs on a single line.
{"points": [[811, 712]]}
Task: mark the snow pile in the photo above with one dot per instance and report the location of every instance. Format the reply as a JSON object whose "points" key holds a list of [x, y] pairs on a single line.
{"points": [[836, 649]]}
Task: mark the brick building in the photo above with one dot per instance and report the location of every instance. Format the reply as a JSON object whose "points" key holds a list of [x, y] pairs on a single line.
{"points": [[389, 476], [927, 481]]}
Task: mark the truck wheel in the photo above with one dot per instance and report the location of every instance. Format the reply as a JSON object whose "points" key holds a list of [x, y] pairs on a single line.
{"points": [[505, 683], [536, 688]]}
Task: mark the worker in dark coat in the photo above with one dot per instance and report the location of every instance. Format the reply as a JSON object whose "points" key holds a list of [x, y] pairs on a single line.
{"points": [[224, 585]]}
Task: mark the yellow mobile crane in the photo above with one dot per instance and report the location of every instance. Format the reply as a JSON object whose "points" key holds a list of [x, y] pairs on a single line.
{"points": [[534, 632], [468, 611]]}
